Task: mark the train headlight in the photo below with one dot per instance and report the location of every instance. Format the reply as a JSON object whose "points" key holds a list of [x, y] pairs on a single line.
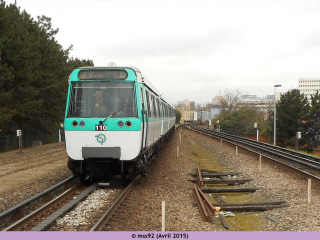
{"points": [[128, 123], [74, 123], [120, 124], [82, 123]]}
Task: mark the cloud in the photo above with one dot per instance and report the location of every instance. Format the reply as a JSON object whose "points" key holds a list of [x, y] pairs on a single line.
{"points": [[174, 45], [309, 6], [311, 41], [103, 0]]}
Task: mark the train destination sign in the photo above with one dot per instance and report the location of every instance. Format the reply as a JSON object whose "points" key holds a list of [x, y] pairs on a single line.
{"points": [[102, 74]]}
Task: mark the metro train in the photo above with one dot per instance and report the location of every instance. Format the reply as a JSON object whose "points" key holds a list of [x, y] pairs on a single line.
{"points": [[115, 121]]}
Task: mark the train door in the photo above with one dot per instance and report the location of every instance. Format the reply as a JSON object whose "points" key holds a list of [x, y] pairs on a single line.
{"points": [[144, 119], [149, 118]]}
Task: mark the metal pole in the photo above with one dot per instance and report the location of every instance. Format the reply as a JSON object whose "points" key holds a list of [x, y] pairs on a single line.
{"points": [[275, 116], [260, 158], [309, 190], [163, 216], [20, 141]]}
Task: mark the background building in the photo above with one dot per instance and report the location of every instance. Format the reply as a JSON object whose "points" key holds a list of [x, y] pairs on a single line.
{"points": [[186, 105], [190, 111], [309, 86], [188, 116], [217, 100]]}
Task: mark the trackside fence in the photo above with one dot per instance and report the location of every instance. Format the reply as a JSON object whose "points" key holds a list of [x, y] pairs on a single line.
{"points": [[29, 138]]}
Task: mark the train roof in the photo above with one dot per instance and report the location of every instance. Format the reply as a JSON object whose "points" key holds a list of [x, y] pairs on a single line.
{"points": [[140, 78]]}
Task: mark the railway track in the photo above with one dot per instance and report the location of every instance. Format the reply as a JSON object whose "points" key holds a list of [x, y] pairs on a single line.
{"points": [[113, 207], [20, 210], [303, 163], [38, 220], [45, 217]]}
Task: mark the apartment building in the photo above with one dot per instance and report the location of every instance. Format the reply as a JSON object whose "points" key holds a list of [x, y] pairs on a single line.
{"points": [[309, 86]]}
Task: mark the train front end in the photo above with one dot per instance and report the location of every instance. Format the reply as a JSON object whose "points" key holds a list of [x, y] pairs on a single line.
{"points": [[102, 121]]}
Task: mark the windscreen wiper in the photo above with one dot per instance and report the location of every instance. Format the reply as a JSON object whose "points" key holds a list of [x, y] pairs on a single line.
{"points": [[101, 122]]}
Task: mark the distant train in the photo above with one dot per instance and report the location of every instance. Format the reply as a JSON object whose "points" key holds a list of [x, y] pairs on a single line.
{"points": [[115, 121]]}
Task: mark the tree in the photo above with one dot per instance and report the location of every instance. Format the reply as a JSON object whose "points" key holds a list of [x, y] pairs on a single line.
{"points": [[312, 125], [178, 115], [34, 71], [241, 120], [74, 63], [230, 100], [292, 110], [18, 39]]}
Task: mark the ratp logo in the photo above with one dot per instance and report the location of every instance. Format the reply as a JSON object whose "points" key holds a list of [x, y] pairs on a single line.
{"points": [[101, 138]]}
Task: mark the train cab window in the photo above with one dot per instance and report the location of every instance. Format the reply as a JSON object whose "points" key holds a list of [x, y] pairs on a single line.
{"points": [[102, 99]]}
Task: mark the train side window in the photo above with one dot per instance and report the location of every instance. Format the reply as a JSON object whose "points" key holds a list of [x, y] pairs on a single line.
{"points": [[161, 110], [166, 110], [153, 107], [148, 103], [158, 106]]}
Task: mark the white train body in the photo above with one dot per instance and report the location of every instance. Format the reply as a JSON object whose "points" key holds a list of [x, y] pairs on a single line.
{"points": [[113, 116]]}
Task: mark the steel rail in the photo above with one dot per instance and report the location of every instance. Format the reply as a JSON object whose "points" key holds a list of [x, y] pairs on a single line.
{"points": [[199, 176], [265, 146], [16, 208], [45, 224], [203, 211], [40, 211], [293, 157], [114, 206]]}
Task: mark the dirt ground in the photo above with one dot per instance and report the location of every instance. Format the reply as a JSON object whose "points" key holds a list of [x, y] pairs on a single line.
{"points": [[23, 175], [32, 170]]}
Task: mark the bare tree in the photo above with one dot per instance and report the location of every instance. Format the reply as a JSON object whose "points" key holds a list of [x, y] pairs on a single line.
{"points": [[179, 106], [198, 107], [230, 100]]}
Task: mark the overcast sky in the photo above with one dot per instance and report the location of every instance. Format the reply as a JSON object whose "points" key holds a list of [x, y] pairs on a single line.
{"points": [[194, 49]]}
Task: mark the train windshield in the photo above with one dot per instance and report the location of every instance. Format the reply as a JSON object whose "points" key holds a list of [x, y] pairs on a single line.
{"points": [[102, 99]]}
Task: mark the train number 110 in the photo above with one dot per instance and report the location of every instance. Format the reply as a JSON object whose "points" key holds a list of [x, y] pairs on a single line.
{"points": [[101, 127]]}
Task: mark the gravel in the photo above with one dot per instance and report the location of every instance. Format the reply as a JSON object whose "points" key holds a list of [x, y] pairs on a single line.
{"points": [[81, 217], [278, 183], [168, 180]]}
